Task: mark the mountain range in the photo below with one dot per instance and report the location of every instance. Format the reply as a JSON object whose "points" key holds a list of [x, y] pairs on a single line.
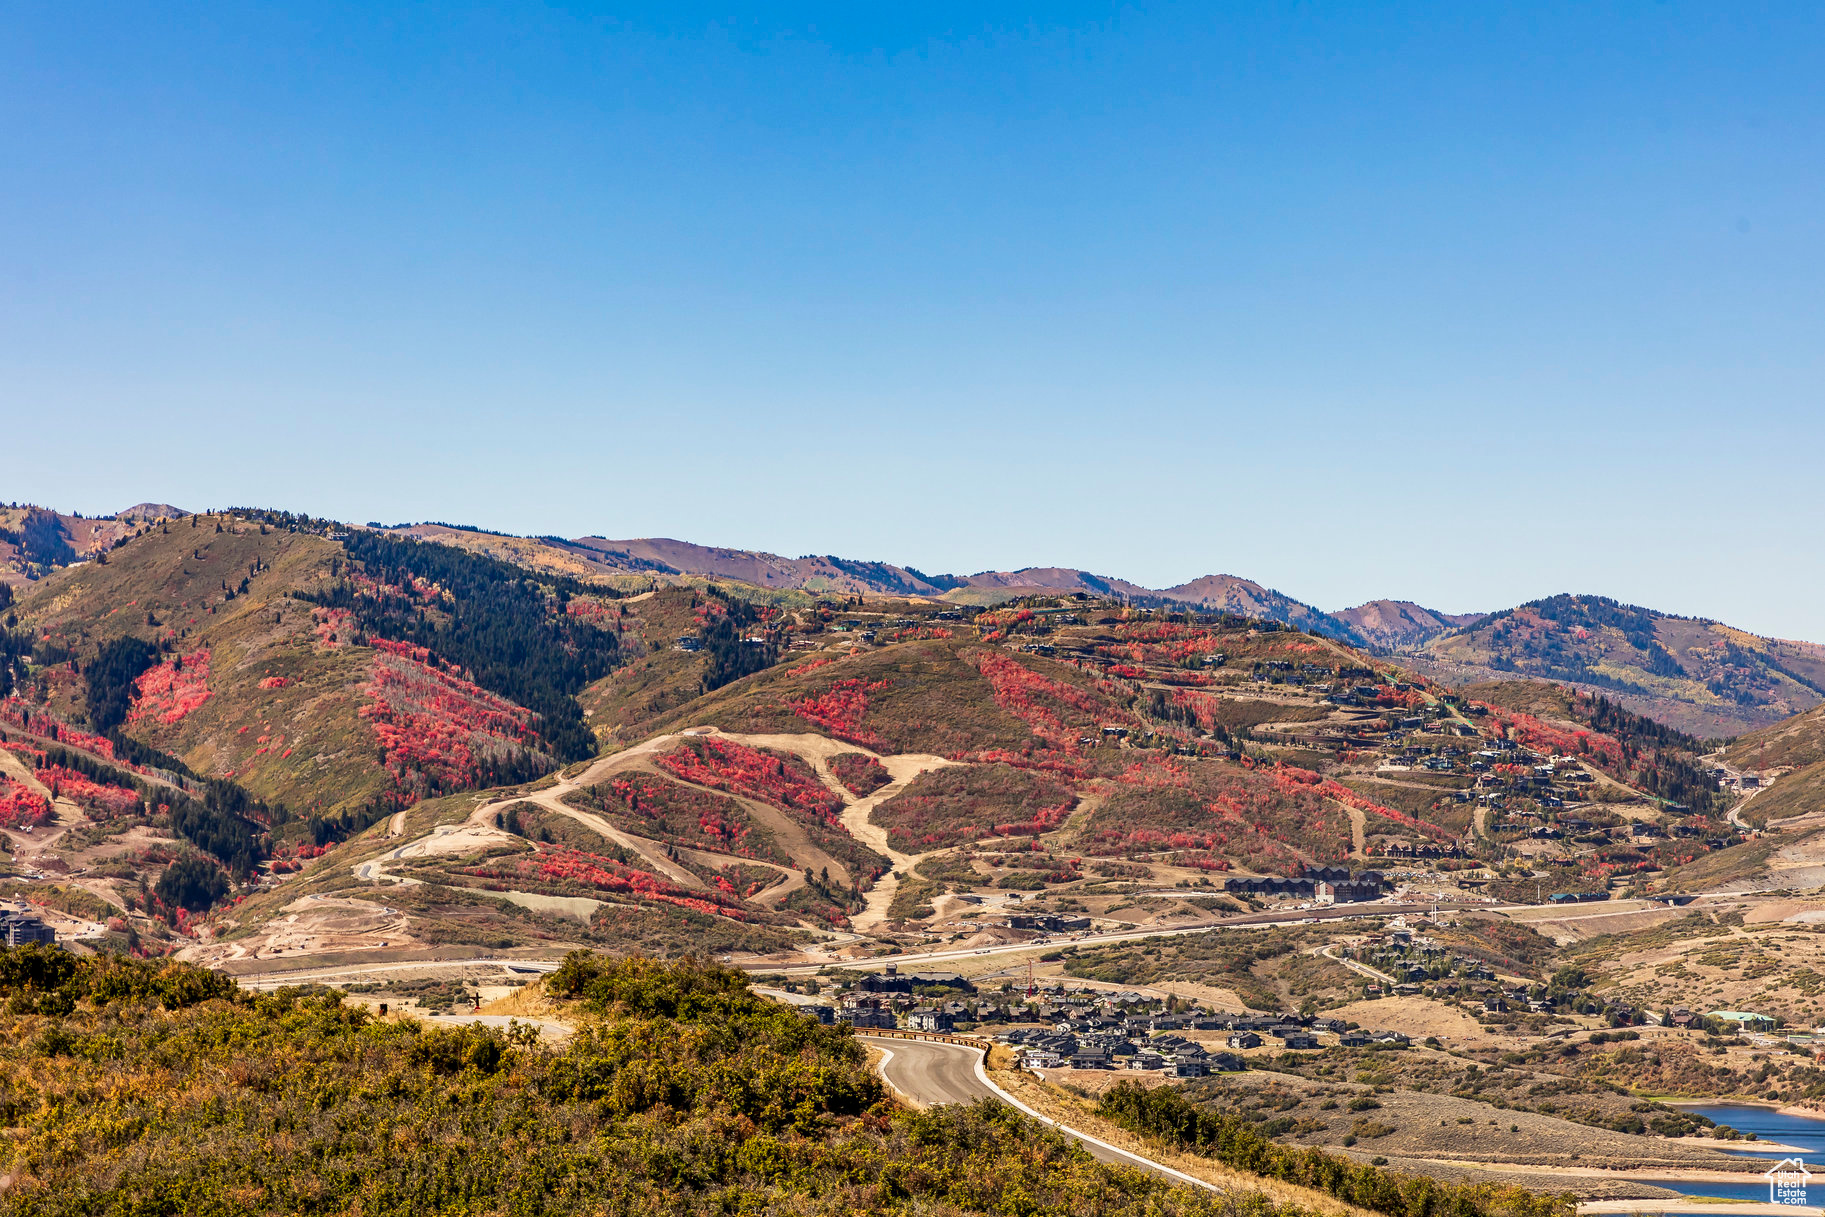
{"points": [[720, 750], [1701, 676]]}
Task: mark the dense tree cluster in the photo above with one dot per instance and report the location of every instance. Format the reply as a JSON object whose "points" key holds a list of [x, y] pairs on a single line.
{"points": [[193, 883], [15, 644], [41, 538], [110, 677], [497, 622], [728, 654]]}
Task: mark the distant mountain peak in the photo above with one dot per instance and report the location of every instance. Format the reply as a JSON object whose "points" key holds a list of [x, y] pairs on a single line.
{"points": [[1400, 625]]}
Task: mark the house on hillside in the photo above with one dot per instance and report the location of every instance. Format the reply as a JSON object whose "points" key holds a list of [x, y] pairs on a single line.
{"points": [[1743, 1020]]}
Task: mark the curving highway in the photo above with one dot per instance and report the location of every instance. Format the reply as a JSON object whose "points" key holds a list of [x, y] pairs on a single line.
{"points": [[930, 1072]]}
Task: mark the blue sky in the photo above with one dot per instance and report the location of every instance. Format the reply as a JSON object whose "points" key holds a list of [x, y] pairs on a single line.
{"points": [[1467, 304]]}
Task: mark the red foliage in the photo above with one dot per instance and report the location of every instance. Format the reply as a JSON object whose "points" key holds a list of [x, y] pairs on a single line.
{"points": [[21, 806], [1161, 803], [862, 774], [970, 802], [335, 627], [596, 612], [275, 682], [784, 781], [18, 713], [1291, 776], [34, 756], [918, 633], [1041, 703], [839, 710], [437, 731], [694, 817], [172, 689], [1530, 732], [573, 867], [93, 796]]}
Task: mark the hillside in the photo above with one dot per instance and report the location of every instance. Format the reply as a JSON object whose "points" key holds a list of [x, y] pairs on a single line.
{"points": [[34, 541], [294, 751], [1401, 625], [1701, 677], [411, 746]]}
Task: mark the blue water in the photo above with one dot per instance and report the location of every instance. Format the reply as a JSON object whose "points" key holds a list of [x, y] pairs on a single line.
{"points": [[1752, 1188], [1769, 1125]]}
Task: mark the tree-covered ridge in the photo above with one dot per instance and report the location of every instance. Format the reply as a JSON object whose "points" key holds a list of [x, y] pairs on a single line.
{"points": [[506, 626], [138, 1088]]}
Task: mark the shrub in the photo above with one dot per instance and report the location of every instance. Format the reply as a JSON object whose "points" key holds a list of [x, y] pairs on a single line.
{"points": [[962, 803], [860, 773], [1229, 1138]]}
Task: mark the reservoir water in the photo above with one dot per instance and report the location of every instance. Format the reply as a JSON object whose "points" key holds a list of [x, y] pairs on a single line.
{"points": [[1768, 1124], [1753, 1187], [1808, 1135]]}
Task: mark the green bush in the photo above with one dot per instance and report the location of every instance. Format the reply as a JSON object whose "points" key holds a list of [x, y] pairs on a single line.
{"points": [[159, 1088]]}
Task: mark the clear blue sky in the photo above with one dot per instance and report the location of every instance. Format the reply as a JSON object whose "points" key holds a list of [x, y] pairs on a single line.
{"points": [[1458, 302]]}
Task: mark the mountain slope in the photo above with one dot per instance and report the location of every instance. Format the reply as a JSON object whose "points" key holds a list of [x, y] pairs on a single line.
{"points": [[34, 541], [1700, 676], [1400, 625]]}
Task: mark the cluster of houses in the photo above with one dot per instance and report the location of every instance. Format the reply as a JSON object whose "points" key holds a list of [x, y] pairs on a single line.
{"points": [[1156, 1042], [1323, 883], [1420, 964]]}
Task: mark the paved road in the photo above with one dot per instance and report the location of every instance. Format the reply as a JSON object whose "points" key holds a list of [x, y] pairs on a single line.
{"points": [[932, 1072]]}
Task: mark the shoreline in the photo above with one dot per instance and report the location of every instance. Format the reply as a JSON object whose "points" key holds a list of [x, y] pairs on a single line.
{"points": [[1779, 1109]]}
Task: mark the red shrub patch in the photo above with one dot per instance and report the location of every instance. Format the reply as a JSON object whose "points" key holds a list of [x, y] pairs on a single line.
{"points": [[1164, 804], [655, 807], [21, 806], [172, 689], [1290, 777], [437, 731], [862, 774], [575, 869], [839, 710], [784, 781], [1056, 712], [970, 802], [98, 797], [16, 712]]}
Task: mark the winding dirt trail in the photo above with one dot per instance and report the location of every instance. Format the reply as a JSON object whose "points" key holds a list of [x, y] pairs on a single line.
{"points": [[817, 751], [481, 829]]}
